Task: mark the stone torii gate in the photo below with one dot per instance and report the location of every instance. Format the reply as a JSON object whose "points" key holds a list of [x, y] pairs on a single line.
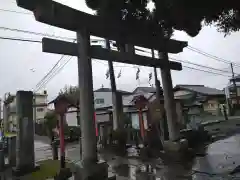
{"points": [[56, 14]]}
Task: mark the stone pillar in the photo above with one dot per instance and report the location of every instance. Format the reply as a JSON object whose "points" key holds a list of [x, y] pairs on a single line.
{"points": [[34, 113], [79, 124], [89, 140], [91, 168], [169, 102], [25, 131], [2, 160], [118, 115], [158, 97], [12, 150]]}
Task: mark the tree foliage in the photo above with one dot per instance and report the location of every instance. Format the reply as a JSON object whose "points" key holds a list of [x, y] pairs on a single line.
{"points": [[72, 93], [50, 123], [186, 15], [9, 99]]}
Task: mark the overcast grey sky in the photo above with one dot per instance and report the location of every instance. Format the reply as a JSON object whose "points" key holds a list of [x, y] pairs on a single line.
{"points": [[22, 64]]}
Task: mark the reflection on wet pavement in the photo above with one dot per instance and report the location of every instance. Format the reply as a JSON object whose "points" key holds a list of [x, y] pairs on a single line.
{"points": [[222, 157]]}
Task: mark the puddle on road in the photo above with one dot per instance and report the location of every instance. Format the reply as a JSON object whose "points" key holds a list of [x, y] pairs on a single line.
{"points": [[222, 157]]}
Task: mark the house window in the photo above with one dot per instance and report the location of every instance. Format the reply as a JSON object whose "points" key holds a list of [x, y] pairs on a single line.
{"points": [[99, 101], [210, 105], [40, 109]]}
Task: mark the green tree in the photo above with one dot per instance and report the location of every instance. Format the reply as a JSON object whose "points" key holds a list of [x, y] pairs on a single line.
{"points": [[186, 15], [72, 93], [9, 99], [50, 123]]}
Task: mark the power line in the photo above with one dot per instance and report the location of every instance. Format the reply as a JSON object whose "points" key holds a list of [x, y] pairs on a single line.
{"points": [[197, 49], [13, 11], [211, 56], [189, 62], [57, 71], [206, 71], [208, 55], [54, 73], [20, 39], [200, 65], [189, 47], [34, 33], [45, 34], [43, 81], [50, 71], [202, 70]]}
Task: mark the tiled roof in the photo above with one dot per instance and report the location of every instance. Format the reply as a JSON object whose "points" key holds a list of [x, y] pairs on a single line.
{"points": [[110, 90], [201, 89], [145, 89]]}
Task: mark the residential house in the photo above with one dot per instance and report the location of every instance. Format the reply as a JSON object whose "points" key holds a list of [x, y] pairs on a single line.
{"points": [[103, 97], [143, 90], [230, 93], [209, 99], [233, 93], [39, 109], [153, 111], [102, 101]]}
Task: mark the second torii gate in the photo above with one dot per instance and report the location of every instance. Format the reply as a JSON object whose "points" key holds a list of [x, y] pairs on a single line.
{"points": [[56, 14]]}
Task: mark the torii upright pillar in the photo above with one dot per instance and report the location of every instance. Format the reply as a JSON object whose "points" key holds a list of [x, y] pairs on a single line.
{"points": [[91, 168], [169, 103], [86, 98]]}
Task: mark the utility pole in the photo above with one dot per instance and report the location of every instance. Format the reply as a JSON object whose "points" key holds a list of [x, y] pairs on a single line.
{"points": [[234, 83]]}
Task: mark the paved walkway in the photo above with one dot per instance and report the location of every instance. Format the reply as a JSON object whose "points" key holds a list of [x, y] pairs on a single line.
{"points": [[222, 158]]}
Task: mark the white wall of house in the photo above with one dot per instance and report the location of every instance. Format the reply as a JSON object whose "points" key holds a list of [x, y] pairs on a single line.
{"points": [[102, 99], [41, 110], [40, 99], [71, 117]]}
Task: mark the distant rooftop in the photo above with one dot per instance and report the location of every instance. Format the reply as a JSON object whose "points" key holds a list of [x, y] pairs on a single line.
{"points": [[110, 90], [200, 89], [145, 89]]}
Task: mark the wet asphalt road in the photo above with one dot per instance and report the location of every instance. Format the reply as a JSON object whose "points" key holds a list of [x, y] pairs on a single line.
{"points": [[222, 157]]}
